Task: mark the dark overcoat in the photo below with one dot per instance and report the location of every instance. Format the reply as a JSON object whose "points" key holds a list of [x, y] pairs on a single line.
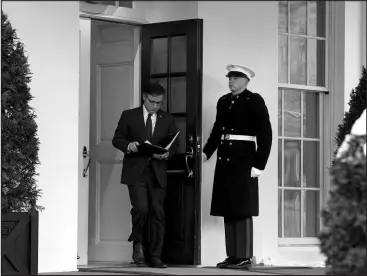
{"points": [[235, 192]]}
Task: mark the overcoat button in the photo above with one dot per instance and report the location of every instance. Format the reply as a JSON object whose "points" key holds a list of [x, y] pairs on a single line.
{"points": [[230, 143], [227, 159], [232, 102], [219, 158]]}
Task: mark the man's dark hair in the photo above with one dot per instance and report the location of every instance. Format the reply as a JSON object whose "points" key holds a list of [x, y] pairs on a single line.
{"points": [[154, 89]]}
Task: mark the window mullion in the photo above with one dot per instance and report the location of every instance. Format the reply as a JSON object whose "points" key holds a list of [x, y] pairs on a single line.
{"points": [[282, 188], [307, 46], [321, 156], [289, 44], [301, 161]]}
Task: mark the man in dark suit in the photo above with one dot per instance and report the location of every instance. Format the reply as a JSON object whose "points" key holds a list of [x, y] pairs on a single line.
{"points": [[146, 176], [242, 119]]}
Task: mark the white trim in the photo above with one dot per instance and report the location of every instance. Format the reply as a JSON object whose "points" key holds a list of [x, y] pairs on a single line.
{"points": [[298, 241], [137, 15], [306, 88], [334, 103], [137, 50], [84, 117], [305, 36]]}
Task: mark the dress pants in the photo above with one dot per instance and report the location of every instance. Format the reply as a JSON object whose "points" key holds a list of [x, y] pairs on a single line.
{"points": [[239, 237], [147, 213]]}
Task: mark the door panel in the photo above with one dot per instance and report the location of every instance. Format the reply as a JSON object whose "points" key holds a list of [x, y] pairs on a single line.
{"points": [[172, 56], [112, 80]]}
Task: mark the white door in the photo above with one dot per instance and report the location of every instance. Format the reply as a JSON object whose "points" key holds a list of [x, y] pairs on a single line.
{"points": [[114, 78]]}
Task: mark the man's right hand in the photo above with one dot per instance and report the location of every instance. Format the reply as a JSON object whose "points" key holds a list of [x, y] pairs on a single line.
{"points": [[133, 146]]}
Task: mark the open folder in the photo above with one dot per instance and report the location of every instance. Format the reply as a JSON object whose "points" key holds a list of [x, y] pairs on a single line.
{"points": [[148, 148]]}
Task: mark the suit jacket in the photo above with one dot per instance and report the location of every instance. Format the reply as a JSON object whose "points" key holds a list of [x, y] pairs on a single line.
{"points": [[130, 128]]}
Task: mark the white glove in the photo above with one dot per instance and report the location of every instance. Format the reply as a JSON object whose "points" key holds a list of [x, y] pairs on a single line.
{"points": [[255, 172], [204, 157]]}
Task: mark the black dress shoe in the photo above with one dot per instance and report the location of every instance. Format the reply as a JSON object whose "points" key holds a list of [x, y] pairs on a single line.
{"points": [[241, 264], [156, 262], [229, 260], [138, 253]]}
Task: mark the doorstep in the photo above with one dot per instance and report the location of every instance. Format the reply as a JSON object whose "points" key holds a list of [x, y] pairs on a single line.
{"points": [[171, 270], [199, 270]]}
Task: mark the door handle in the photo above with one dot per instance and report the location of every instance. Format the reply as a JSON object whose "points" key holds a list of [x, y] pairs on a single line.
{"points": [[86, 154], [191, 155]]}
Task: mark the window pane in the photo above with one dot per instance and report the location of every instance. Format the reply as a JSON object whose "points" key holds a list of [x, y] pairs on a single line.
{"points": [[283, 17], [178, 54], [181, 125], [159, 55], [292, 113], [279, 213], [317, 11], [298, 18], [292, 214], [311, 226], [292, 163], [280, 113], [317, 62], [126, 4], [298, 62], [311, 164], [177, 97], [283, 59], [311, 116], [163, 82], [279, 162]]}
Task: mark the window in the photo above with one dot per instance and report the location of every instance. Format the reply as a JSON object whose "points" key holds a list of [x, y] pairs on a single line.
{"points": [[302, 71]]}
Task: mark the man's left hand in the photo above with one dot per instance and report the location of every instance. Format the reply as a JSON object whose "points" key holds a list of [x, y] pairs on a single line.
{"points": [[163, 156]]}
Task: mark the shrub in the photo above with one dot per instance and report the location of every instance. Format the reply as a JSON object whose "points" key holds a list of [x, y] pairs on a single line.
{"points": [[19, 140], [343, 237]]}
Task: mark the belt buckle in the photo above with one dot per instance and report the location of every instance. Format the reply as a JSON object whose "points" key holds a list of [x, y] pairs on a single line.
{"points": [[226, 137]]}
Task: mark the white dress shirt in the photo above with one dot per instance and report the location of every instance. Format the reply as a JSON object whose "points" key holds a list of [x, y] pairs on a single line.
{"points": [[145, 115], [154, 118]]}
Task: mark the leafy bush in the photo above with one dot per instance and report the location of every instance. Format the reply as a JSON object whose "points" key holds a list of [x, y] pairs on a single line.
{"points": [[343, 237], [357, 104], [19, 140]]}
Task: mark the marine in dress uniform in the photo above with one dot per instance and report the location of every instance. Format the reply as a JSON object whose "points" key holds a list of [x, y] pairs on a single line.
{"points": [[242, 136]]}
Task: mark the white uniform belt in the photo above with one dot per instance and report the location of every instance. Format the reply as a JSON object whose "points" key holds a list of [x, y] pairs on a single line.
{"points": [[238, 137]]}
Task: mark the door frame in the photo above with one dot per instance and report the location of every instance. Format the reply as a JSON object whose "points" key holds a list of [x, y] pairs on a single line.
{"points": [[84, 123]]}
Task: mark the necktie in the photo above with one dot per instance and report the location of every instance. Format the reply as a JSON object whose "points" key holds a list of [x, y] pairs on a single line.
{"points": [[148, 127]]}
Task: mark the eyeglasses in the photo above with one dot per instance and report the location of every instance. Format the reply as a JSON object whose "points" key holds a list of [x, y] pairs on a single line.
{"points": [[153, 102]]}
